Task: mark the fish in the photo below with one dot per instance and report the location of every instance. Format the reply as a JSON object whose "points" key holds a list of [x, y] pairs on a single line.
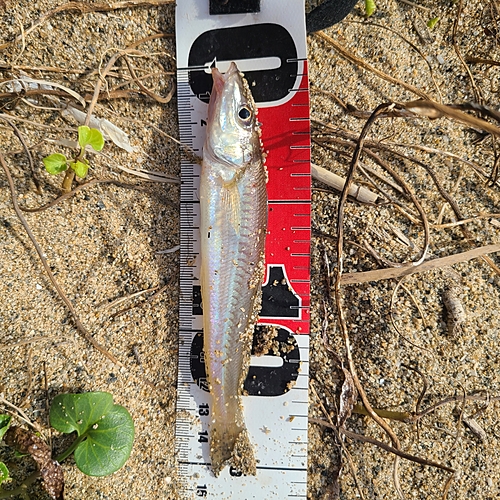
{"points": [[233, 226]]}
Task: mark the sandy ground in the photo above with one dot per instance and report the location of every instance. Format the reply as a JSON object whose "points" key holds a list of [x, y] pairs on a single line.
{"points": [[103, 244]]}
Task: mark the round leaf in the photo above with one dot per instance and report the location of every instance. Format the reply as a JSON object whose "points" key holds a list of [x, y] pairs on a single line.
{"points": [[108, 444], [4, 424], [90, 137], [55, 163], [79, 412], [80, 168]]}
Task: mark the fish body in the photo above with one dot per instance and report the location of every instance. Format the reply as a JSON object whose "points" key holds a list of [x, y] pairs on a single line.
{"points": [[233, 205]]}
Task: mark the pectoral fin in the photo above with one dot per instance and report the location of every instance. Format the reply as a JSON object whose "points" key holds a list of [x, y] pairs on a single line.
{"points": [[231, 205]]}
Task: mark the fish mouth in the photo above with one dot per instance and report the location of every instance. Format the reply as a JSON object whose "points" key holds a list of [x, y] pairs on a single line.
{"points": [[219, 81], [220, 78]]}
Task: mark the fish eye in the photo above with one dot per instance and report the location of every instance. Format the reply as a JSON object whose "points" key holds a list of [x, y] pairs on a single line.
{"points": [[244, 113]]}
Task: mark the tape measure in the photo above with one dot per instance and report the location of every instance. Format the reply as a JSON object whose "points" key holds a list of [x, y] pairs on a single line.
{"points": [[266, 39]]}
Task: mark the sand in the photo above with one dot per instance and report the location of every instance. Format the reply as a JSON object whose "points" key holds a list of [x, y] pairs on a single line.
{"points": [[104, 244]]}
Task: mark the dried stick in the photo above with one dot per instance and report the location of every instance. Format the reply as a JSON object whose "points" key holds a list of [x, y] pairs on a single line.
{"points": [[453, 192], [465, 221], [119, 300], [50, 69], [103, 96], [32, 340], [467, 234], [359, 193], [363, 64], [477, 91], [433, 110], [454, 399], [469, 237], [80, 327], [21, 415], [412, 45], [406, 192], [150, 93], [393, 321], [409, 194], [460, 418], [386, 447], [102, 76], [364, 169], [81, 187], [351, 138], [336, 431], [85, 7], [407, 269], [481, 60], [425, 386], [337, 288], [27, 150]]}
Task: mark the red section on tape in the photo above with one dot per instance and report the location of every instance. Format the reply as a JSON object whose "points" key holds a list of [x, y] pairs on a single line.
{"points": [[286, 138], [287, 141]]}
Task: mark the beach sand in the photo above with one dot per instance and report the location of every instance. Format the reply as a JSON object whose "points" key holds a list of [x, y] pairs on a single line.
{"points": [[104, 244]]}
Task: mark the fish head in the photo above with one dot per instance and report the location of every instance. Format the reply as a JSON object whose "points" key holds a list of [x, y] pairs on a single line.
{"points": [[232, 128]]}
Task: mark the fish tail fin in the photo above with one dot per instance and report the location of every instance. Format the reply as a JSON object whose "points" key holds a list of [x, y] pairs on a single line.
{"points": [[230, 445]]}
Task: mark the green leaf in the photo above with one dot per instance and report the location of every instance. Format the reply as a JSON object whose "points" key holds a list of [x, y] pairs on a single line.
{"points": [[4, 473], [370, 7], [432, 22], [4, 424], [108, 444], [90, 137], [79, 412], [106, 431], [55, 163], [81, 169]]}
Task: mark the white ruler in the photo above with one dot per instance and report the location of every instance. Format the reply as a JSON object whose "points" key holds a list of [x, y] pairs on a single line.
{"points": [[269, 47]]}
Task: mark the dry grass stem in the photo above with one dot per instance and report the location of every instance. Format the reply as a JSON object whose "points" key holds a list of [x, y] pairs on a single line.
{"points": [[79, 325], [339, 439], [412, 45], [407, 269], [363, 64], [338, 295], [85, 8], [359, 193]]}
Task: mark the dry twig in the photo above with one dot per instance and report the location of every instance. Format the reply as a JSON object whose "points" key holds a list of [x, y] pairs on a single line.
{"points": [[79, 325], [85, 8], [363, 64], [407, 269], [396, 451], [338, 295]]}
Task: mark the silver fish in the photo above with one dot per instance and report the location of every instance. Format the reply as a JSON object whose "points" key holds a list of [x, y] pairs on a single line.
{"points": [[233, 204]]}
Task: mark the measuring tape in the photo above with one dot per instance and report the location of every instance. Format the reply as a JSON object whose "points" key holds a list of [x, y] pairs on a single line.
{"points": [[266, 39]]}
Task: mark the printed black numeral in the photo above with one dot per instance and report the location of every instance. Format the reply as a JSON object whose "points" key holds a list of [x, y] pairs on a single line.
{"points": [[278, 298], [201, 491], [203, 410], [233, 471], [203, 437], [261, 380], [267, 40]]}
